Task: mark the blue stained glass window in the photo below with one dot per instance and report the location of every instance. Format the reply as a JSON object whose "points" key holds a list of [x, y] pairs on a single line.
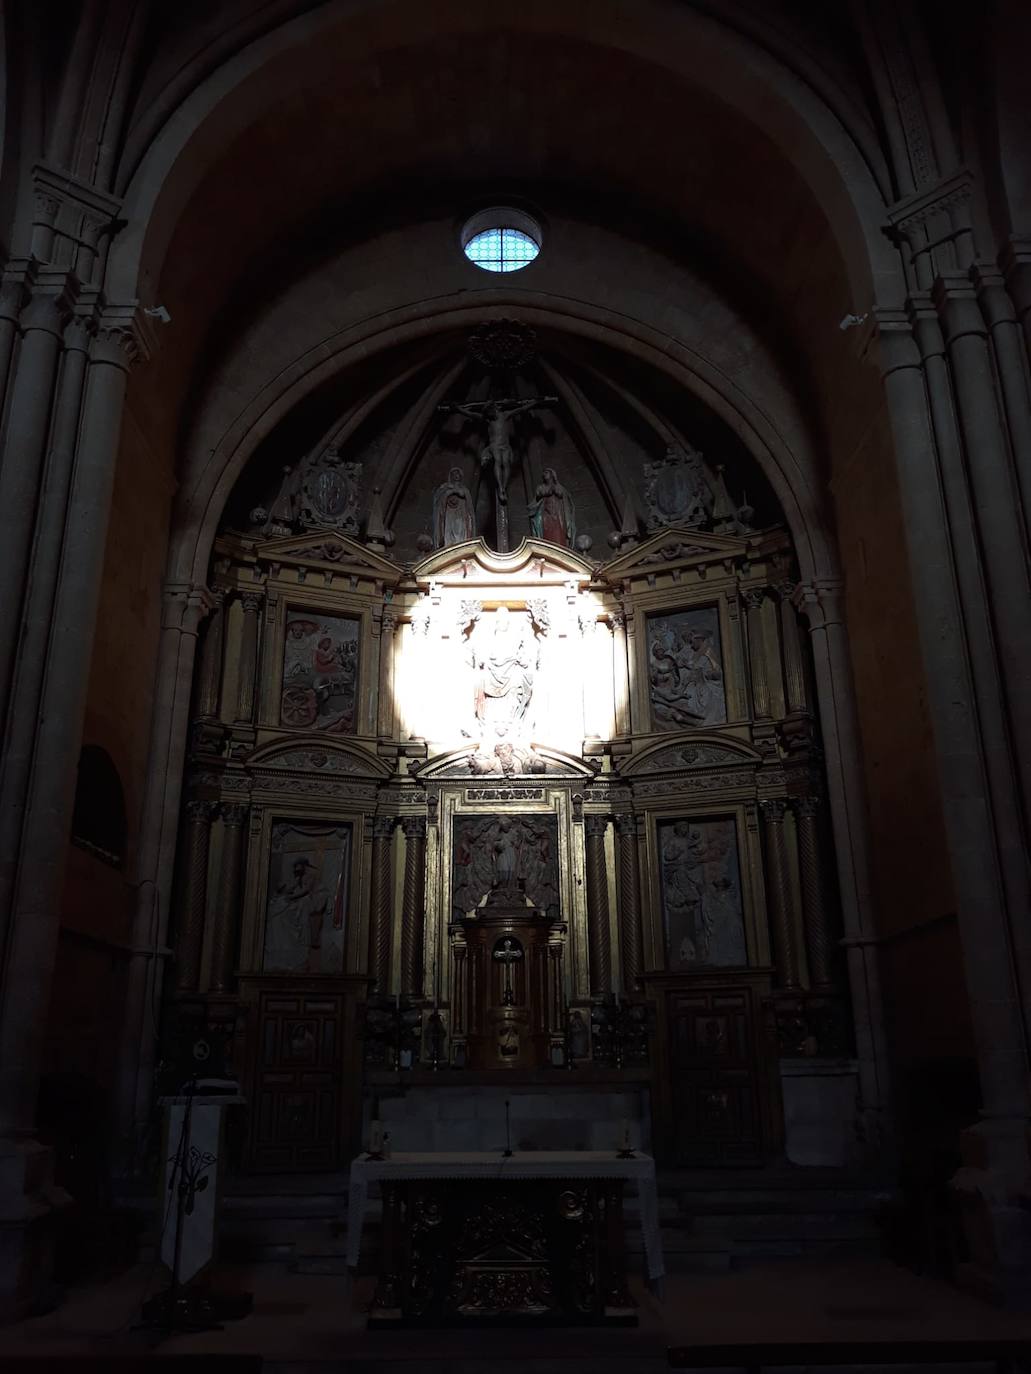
{"points": [[501, 250]]}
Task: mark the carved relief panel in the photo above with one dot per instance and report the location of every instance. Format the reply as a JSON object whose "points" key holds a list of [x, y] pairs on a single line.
{"points": [[513, 854], [704, 882], [303, 907], [306, 904], [702, 901], [685, 669], [320, 672]]}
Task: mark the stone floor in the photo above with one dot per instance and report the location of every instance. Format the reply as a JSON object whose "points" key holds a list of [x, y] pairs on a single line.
{"points": [[309, 1323]]}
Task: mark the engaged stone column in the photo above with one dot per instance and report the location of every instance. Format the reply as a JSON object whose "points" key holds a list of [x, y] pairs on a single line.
{"points": [[598, 951], [210, 675], [757, 653], [199, 815], [779, 892], [630, 944], [21, 460], [380, 903], [248, 658], [227, 911], [819, 939], [413, 911], [33, 932]]}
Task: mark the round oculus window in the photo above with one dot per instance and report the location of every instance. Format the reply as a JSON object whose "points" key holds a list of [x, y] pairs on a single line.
{"points": [[501, 239]]}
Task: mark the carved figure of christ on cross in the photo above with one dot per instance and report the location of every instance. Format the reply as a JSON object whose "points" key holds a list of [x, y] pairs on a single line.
{"points": [[498, 415]]}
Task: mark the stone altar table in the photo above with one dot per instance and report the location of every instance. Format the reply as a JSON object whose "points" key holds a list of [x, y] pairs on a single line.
{"points": [[537, 1235]]}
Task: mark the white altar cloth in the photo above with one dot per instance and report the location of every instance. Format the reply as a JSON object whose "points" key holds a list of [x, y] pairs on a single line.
{"points": [[571, 1164]]}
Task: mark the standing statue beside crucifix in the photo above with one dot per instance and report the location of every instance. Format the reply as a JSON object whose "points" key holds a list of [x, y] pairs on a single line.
{"points": [[498, 415]]}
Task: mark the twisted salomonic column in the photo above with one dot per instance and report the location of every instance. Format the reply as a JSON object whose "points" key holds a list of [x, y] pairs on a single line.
{"points": [[248, 657], [819, 939], [222, 946], [380, 922], [629, 901], [210, 676], [199, 815], [597, 906], [777, 885], [413, 909], [756, 653]]}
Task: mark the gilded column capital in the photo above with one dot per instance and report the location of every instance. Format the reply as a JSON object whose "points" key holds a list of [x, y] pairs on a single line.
{"points": [[754, 597], [383, 827], [199, 810], [627, 822], [807, 806], [252, 601], [233, 814], [595, 826], [774, 809], [414, 827]]}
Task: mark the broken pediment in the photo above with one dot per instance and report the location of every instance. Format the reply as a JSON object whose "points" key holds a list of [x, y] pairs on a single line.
{"points": [[534, 563], [515, 761]]}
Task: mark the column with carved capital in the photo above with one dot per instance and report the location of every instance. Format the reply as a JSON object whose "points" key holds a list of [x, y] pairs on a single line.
{"points": [[209, 677], [779, 891], [251, 602], [380, 903], [598, 952], [754, 599], [227, 910], [630, 944], [815, 913], [794, 670], [21, 458], [413, 910], [387, 693], [39, 601], [199, 815], [620, 673], [32, 940]]}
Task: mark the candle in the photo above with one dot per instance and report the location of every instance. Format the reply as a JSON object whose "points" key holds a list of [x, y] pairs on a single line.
{"points": [[376, 1137], [617, 999], [626, 1134], [397, 1001]]}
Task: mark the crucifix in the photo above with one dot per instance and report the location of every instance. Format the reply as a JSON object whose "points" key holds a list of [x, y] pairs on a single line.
{"points": [[498, 416], [507, 956]]}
